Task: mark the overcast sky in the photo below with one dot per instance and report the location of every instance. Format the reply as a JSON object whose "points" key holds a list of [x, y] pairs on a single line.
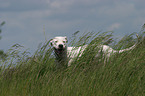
{"points": [[26, 19]]}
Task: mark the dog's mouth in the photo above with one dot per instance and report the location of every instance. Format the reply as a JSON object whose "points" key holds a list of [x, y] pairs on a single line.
{"points": [[59, 50]]}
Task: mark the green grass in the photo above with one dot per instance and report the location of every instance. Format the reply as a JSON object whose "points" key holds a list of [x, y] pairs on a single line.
{"points": [[122, 75]]}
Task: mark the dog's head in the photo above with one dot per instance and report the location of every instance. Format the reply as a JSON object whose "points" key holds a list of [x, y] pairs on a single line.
{"points": [[59, 44]]}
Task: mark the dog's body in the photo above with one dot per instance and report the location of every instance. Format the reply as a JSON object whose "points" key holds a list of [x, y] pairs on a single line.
{"points": [[66, 54], [73, 52]]}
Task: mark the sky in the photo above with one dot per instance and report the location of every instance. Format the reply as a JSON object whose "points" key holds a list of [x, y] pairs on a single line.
{"points": [[31, 22]]}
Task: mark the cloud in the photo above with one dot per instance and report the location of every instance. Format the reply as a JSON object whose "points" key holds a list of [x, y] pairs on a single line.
{"points": [[22, 5], [117, 10], [4, 4], [114, 26], [25, 18]]}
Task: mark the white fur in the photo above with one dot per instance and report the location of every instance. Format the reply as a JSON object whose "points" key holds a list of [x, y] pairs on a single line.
{"points": [[66, 54], [73, 52]]}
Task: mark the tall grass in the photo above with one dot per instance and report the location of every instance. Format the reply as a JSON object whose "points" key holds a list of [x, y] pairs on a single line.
{"points": [[122, 75]]}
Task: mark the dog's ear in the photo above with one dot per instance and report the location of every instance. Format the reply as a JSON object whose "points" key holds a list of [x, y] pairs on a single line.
{"points": [[51, 42], [66, 39]]}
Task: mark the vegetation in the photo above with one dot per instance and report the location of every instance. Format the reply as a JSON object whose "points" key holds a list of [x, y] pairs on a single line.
{"points": [[122, 75], [2, 54]]}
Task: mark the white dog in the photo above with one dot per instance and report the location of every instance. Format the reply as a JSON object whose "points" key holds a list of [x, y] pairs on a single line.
{"points": [[66, 54]]}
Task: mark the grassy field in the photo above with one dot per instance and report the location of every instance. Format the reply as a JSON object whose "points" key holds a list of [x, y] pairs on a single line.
{"points": [[122, 75]]}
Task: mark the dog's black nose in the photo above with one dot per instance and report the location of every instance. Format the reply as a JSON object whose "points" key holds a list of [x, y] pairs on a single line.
{"points": [[60, 46]]}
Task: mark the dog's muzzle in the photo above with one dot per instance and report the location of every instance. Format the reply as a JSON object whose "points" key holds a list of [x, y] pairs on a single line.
{"points": [[60, 49]]}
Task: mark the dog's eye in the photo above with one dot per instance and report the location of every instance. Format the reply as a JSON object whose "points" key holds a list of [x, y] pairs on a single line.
{"points": [[56, 41], [63, 41]]}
